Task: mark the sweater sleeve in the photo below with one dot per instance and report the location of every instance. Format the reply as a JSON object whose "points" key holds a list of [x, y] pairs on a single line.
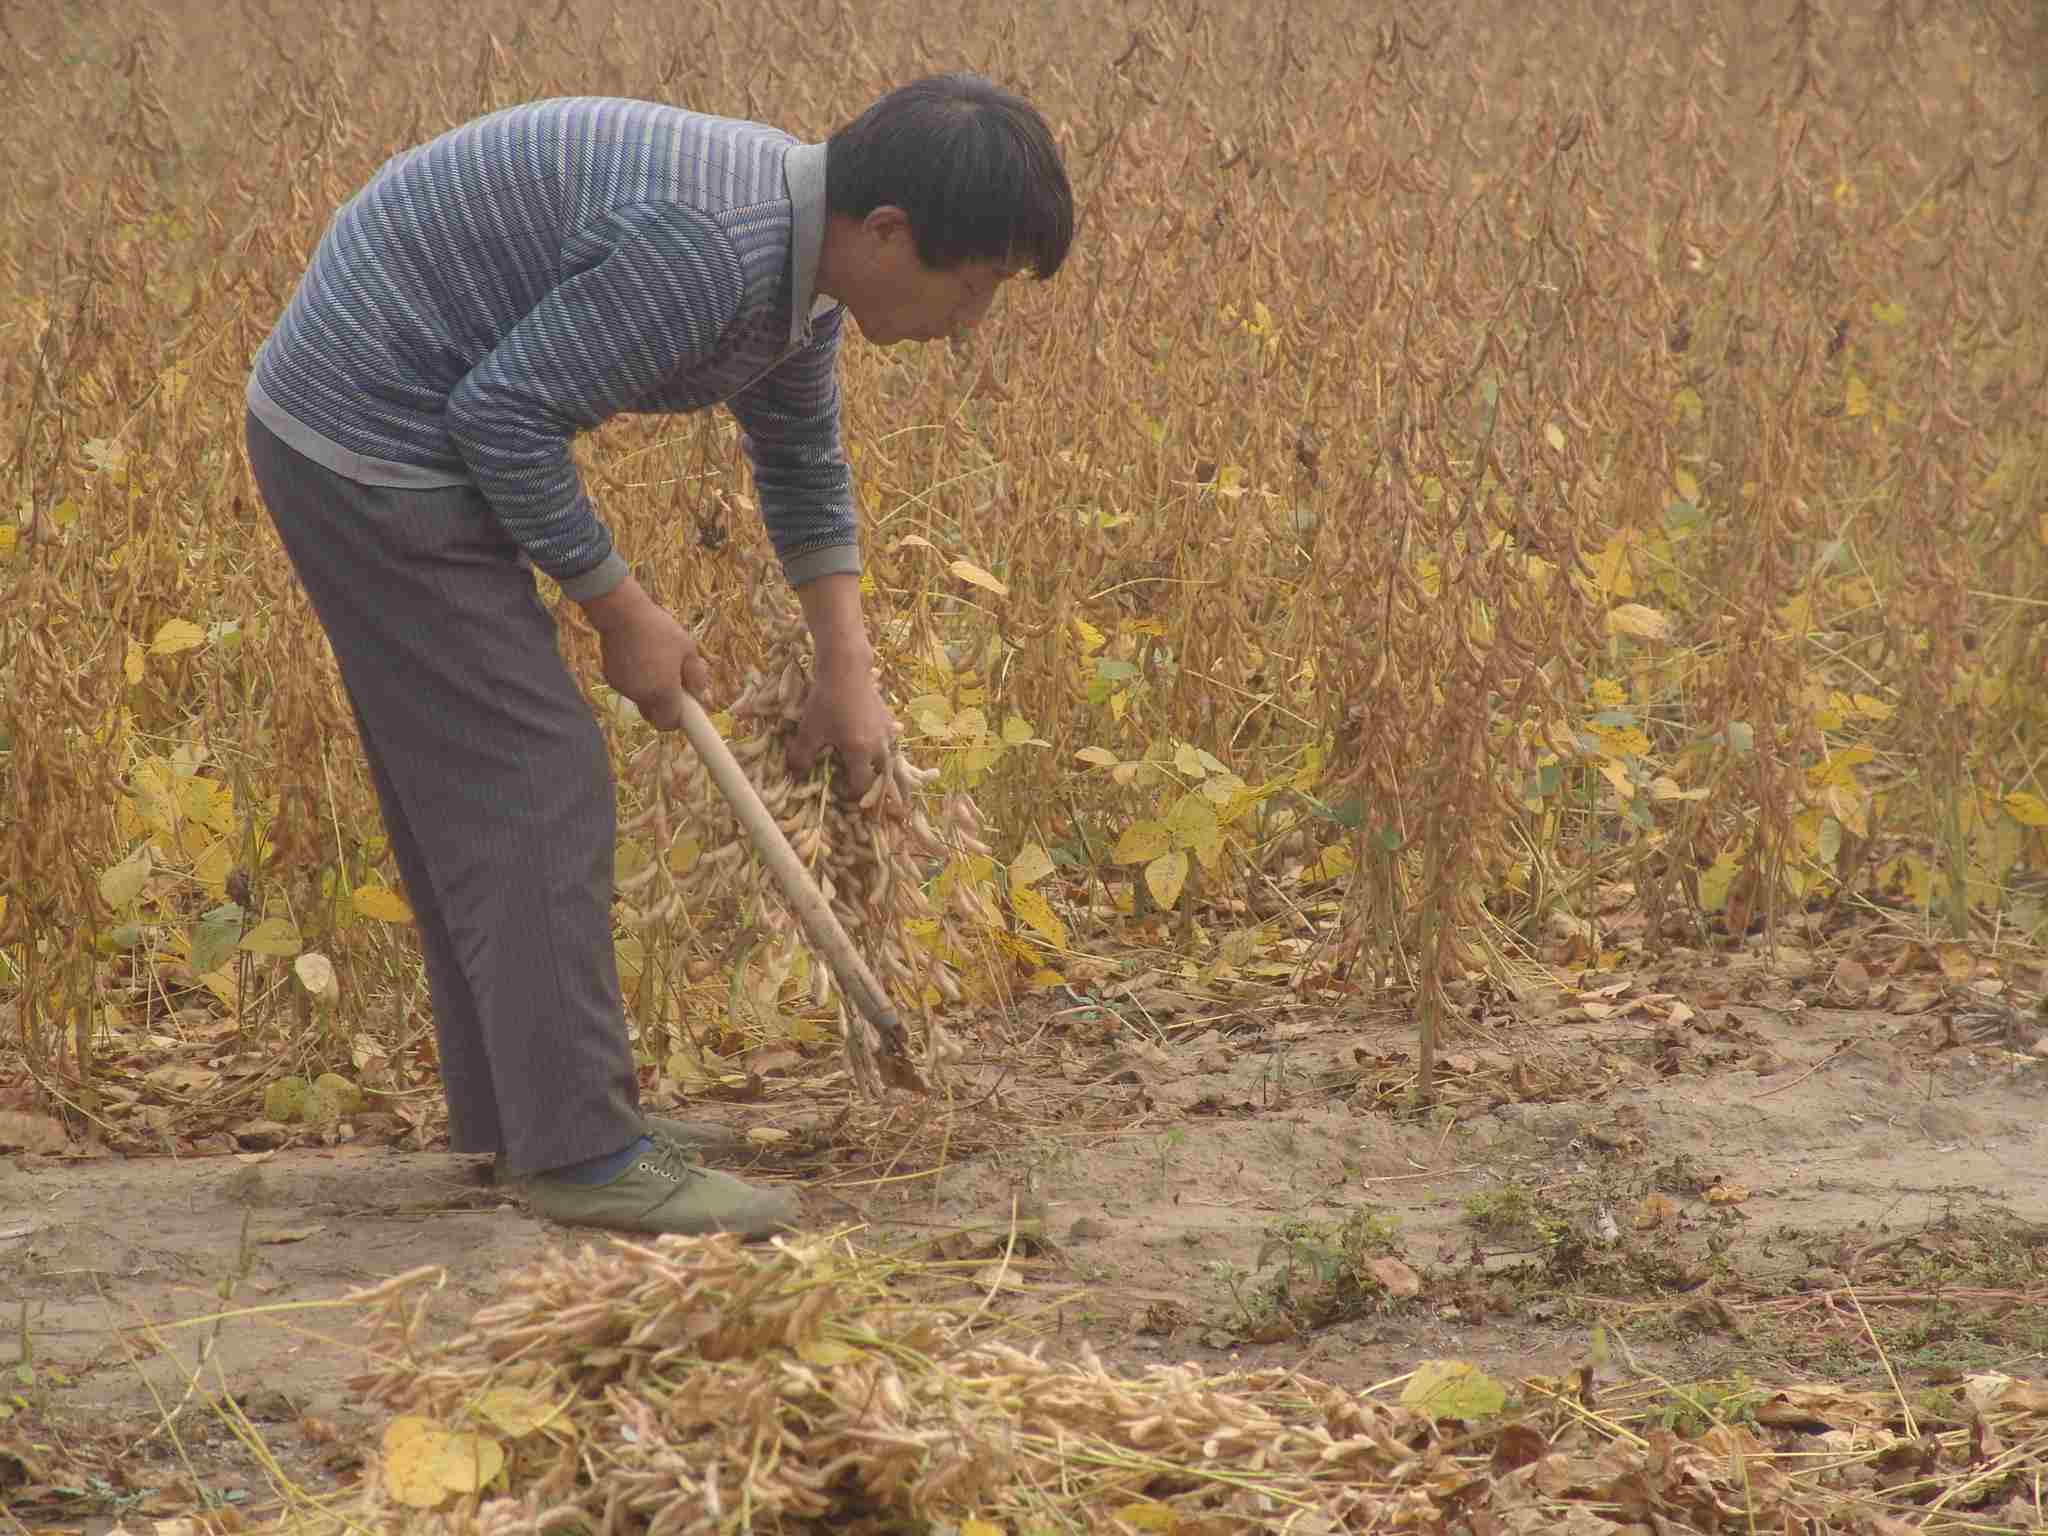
{"points": [[650, 291], [789, 425]]}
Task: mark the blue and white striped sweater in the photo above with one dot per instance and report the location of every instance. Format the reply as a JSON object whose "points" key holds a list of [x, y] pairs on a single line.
{"points": [[520, 279]]}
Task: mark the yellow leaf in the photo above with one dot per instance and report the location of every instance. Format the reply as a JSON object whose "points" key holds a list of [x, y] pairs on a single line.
{"points": [[1608, 693], [1715, 880], [1016, 730], [1091, 638], [122, 883], [1149, 1516], [1553, 434], [1688, 486], [974, 575], [1620, 740], [1453, 1389], [1101, 757], [2029, 810], [980, 1528], [410, 1474], [515, 1411], [1194, 827], [9, 536], [208, 802], [1848, 804], [176, 635], [1617, 775], [1635, 619], [838, 1352], [1333, 863], [1142, 841], [131, 664], [1189, 761], [1870, 708], [1036, 913], [1664, 787], [382, 903], [1857, 402], [272, 936], [1166, 875], [1032, 863], [466, 1463], [1727, 1194]]}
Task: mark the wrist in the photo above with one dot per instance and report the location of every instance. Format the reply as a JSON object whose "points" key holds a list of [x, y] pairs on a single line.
{"points": [[850, 658], [618, 608]]}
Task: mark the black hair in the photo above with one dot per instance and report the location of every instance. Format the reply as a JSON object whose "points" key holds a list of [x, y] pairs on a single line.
{"points": [[974, 167]]}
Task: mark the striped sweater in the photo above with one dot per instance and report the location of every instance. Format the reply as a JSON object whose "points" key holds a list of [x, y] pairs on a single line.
{"points": [[527, 276]]}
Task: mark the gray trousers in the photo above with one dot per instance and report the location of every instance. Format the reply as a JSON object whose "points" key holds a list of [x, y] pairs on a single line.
{"points": [[497, 796]]}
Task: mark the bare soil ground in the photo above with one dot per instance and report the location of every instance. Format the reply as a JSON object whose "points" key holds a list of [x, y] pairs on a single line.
{"points": [[1727, 1196]]}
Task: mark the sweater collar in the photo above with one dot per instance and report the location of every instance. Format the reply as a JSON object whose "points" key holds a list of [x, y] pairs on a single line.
{"points": [[803, 169]]}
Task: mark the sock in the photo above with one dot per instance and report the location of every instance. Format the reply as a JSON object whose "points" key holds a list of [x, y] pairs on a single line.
{"points": [[602, 1170]]}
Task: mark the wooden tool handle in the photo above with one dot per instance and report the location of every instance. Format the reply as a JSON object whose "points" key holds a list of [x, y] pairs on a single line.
{"points": [[812, 910]]}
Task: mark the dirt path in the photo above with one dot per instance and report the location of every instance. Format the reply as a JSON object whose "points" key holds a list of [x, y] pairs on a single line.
{"points": [[1694, 1187]]}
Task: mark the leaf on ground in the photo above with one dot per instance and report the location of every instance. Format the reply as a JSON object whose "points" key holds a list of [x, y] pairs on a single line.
{"points": [[466, 1463], [515, 1410], [1956, 962], [833, 1352], [424, 1463], [1728, 1194], [21, 1131], [1149, 1516], [1398, 1278], [182, 1077], [1453, 1389], [409, 1473]]}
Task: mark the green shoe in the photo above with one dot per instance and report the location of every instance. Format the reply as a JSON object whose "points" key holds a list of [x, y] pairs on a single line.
{"points": [[664, 1191], [702, 1138], [699, 1138]]}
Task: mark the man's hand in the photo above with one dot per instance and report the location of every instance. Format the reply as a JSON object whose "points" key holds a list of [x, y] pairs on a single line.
{"points": [[647, 655], [845, 713], [844, 710]]}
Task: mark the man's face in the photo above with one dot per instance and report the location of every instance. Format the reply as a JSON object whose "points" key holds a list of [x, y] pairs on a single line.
{"points": [[905, 300]]}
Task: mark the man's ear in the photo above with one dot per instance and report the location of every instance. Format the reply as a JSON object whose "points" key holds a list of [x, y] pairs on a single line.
{"points": [[886, 223]]}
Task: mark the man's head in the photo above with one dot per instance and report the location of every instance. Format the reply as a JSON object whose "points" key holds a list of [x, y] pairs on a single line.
{"points": [[935, 195]]}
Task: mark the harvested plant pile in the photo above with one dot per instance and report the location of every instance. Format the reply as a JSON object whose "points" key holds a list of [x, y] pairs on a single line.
{"points": [[867, 857], [693, 1385]]}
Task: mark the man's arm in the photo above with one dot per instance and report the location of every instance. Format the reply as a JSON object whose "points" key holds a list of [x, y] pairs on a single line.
{"points": [[789, 421], [654, 287]]}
